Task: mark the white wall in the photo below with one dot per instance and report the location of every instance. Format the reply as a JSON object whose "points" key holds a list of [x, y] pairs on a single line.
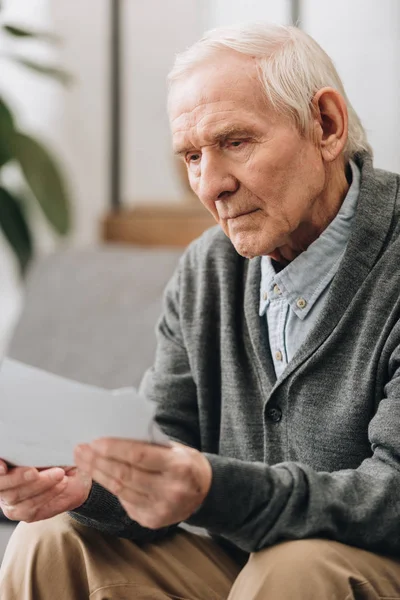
{"points": [[228, 12], [83, 129], [154, 32]]}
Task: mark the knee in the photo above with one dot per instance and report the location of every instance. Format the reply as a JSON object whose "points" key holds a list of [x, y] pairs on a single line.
{"points": [[42, 540], [313, 568], [45, 560], [298, 557]]}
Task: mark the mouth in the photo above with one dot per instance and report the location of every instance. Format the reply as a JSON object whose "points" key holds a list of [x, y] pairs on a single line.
{"points": [[243, 214]]}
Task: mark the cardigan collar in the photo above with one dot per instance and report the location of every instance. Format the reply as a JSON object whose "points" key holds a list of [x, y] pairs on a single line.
{"points": [[378, 192]]}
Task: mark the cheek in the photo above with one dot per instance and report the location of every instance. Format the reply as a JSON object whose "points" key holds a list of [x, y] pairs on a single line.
{"points": [[289, 190], [308, 181], [266, 177]]}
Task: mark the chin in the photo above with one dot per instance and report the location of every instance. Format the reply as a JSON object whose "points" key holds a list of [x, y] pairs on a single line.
{"points": [[245, 248]]}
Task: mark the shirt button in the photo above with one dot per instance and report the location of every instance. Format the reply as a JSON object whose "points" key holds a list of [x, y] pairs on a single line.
{"points": [[301, 303], [274, 414], [278, 355], [265, 296], [277, 290]]}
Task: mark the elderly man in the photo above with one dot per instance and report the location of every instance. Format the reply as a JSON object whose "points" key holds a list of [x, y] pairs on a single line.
{"points": [[277, 368]]}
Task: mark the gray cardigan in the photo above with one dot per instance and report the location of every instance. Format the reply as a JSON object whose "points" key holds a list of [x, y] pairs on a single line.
{"points": [[314, 454]]}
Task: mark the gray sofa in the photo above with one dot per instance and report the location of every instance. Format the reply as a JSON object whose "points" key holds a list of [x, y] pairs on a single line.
{"points": [[90, 314]]}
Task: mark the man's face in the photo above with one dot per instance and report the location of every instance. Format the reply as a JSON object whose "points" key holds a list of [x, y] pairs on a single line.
{"points": [[249, 166]]}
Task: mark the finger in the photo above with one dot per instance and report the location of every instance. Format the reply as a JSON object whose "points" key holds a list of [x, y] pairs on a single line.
{"points": [[119, 489], [118, 475], [3, 467], [28, 510], [45, 481], [149, 457], [118, 486], [17, 476]]}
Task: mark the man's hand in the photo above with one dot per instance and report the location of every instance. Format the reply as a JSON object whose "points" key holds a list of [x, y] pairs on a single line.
{"points": [[27, 494], [157, 485]]}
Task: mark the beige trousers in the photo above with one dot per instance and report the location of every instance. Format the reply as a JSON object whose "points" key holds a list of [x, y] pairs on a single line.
{"points": [[59, 559]]}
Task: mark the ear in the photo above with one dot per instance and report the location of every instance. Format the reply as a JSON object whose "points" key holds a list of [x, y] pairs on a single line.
{"points": [[331, 122]]}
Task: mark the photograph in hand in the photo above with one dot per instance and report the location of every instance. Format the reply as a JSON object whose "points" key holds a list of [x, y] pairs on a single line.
{"points": [[36, 430]]}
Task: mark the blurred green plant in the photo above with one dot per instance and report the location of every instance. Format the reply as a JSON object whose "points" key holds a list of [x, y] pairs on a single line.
{"points": [[39, 169]]}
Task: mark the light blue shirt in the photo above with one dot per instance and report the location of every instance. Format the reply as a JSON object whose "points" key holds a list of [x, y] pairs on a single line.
{"points": [[292, 299]]}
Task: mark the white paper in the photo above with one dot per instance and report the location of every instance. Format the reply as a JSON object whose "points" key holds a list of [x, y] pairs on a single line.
{"points": [[44, 416]]}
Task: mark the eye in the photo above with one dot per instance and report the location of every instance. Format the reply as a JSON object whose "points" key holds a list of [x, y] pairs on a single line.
{"points": [[236, 143], [192, 157]]}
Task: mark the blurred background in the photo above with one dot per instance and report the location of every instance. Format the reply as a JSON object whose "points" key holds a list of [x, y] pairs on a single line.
{"points": [[73, 112]]}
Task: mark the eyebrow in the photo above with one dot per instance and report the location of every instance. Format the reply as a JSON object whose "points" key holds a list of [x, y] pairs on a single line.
{"points": [[230, 131]]}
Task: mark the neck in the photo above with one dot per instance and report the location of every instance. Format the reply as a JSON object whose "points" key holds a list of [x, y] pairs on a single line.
{"points": [[324, 210]]}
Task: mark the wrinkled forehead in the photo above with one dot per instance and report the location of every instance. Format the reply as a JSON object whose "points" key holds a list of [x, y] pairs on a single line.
{"points": [[218, 84]]}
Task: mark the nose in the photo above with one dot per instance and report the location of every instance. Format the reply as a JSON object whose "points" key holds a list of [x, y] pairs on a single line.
{"points": [[216, 181]]}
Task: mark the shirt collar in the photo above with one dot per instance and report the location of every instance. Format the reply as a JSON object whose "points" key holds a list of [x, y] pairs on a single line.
{"points": [[303, 280]]}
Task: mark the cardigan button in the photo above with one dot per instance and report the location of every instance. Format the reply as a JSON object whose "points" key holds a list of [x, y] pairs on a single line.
{"points": [[274, 414]]}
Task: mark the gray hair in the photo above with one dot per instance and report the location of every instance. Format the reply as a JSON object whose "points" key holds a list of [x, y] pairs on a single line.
{"points": [[292, 67]]}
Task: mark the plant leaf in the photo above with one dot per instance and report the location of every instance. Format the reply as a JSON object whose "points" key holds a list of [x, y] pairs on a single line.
{"points": [[44, 179], [24, 33], [46, 70], [15, 228], [6, 132]]}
